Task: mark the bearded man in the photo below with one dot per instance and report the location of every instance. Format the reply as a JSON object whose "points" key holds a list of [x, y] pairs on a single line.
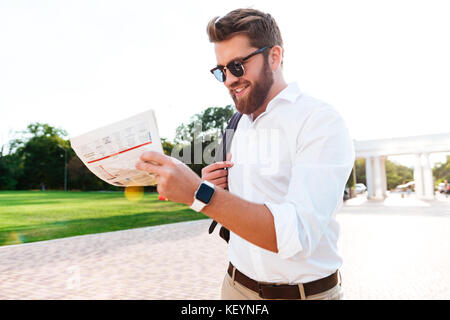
{"points": [[279, 192]]}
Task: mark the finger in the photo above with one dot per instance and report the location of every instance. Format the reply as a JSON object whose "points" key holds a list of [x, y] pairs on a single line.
{"points": [[228, 156], [148, 167], [215, 174], [223, 185], [155, 157], [218, 165], [219, 181]]}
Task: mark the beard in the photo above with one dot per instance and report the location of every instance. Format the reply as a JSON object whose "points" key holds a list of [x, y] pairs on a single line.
{"points": [[258, 92]]}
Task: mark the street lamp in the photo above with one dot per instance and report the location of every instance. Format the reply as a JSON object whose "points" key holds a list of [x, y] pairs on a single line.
{"points": [[65, 167]]}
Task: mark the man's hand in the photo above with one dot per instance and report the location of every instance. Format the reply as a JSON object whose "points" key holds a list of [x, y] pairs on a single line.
{"points": [[176, 181], [217, 173]]}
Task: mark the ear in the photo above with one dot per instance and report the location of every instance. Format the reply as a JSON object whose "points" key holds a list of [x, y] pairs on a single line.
{"points": [[275, 57]]}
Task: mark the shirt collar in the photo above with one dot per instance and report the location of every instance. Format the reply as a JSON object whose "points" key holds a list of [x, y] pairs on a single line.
{"points": [[290, 94]]}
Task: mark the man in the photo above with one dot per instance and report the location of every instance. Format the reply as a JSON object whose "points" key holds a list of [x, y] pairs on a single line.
{"points": [[291, 156]]}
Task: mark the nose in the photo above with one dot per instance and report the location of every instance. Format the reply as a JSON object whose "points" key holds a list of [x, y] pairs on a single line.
{"points": [[230, 78]]}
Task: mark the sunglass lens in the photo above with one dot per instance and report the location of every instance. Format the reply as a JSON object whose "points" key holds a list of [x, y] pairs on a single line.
{"points": [[218, 73], [236, 68]]}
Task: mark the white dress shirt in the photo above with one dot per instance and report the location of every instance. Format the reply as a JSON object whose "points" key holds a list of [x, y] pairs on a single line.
{"points": [[295, 158]]}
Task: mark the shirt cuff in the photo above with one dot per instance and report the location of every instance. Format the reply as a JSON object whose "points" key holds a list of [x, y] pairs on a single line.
{"points": [[286, 229]]}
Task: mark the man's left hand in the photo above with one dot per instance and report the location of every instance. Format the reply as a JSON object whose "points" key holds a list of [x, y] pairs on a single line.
{"points": [[176, 181]]}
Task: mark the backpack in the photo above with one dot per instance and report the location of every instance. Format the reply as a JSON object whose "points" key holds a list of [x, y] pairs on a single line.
{"points": [[224, 148]]}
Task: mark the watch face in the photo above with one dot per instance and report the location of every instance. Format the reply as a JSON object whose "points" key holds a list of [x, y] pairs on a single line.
{"points": [[204, 193]]}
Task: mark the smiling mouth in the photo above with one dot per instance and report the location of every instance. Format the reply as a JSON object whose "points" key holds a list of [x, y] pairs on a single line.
{"points": [[240, 90]]}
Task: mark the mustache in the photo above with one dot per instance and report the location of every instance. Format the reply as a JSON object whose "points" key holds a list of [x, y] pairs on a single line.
{"points": [[238, 84]]}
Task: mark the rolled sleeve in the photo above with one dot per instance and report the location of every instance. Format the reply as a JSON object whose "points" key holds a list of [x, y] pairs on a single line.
{"points": [[323, 162], [286, 228]]}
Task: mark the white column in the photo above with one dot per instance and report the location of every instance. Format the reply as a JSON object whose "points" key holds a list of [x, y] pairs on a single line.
{"points": [[369, 178], [377, 178], [427, 177], [383, 176], [418, 177]]}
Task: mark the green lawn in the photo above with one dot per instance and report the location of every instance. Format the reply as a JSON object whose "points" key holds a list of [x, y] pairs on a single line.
{"points": [[28, 216]]}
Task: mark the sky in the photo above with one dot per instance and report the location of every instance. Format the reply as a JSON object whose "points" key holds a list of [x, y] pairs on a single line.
{"points": [[80, 65]]}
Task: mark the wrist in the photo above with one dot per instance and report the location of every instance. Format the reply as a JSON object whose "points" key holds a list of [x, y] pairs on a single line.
{"points": [[190, 195], [202, 196]]}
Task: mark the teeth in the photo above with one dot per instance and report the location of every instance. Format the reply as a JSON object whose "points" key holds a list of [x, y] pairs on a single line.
{"points": [[240, 89]]}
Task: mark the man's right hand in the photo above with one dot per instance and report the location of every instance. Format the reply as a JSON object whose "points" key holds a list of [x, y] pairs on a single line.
{"points": [[217, 173]]}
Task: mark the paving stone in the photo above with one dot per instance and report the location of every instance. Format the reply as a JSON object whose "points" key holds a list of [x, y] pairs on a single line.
{"points": [[392, 249]]}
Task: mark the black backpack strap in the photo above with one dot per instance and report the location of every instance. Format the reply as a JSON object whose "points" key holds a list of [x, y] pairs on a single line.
{"points": [[221, 155]]}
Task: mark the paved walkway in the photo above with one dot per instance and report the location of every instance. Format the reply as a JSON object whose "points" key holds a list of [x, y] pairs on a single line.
{"points": [[393, 249]]}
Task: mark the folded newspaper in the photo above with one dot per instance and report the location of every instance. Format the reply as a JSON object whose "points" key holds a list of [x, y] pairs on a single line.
{"points": [[111, 152]]}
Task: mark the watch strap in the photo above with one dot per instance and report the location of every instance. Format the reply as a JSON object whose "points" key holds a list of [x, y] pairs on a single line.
{"points": [[198, 205]]}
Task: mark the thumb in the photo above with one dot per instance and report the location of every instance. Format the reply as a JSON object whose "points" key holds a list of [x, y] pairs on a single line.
{"points": [[228, 156]]}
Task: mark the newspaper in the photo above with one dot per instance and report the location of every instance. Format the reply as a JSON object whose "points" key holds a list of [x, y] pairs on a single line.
{"points": [[111, 152]]}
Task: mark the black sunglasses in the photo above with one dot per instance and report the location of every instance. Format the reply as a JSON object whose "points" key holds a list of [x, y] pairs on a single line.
{"points": [[236, 67]]}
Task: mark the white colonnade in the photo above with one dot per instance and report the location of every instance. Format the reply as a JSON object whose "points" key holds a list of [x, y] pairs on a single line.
{"points": [[376, 151], [377, 183]]}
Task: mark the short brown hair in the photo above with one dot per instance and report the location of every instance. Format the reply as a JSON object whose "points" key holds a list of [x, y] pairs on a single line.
{"points": [[260, 27]]}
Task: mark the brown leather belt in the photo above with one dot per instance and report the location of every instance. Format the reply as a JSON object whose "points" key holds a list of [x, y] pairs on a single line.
{"points": [[284, 291]]}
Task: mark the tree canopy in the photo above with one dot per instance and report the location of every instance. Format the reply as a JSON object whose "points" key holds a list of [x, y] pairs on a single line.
{"points": [[441, 171], [196, 140], [35, 158], [210, 122]]}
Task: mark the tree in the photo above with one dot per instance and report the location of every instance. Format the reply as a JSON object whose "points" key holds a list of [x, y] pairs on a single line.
{"points": [[212, 121], [200, 136], [7, 170], [167, 146], [351, 181], [360, 169], [40, 155], [397, 174], [441, 171], [81, 178]]}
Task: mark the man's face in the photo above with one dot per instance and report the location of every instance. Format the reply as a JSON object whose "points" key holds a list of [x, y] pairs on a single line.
{"points": [[250, 91]]}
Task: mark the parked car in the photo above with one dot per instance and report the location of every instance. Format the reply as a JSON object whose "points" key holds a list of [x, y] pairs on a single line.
{"points": [[360, 188], [404, 187]]}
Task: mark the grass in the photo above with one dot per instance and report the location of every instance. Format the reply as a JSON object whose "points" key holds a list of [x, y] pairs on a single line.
{"points": [[29, 216]]}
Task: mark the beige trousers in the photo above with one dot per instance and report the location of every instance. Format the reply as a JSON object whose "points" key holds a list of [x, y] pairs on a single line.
{"points": [[235, 291]]}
